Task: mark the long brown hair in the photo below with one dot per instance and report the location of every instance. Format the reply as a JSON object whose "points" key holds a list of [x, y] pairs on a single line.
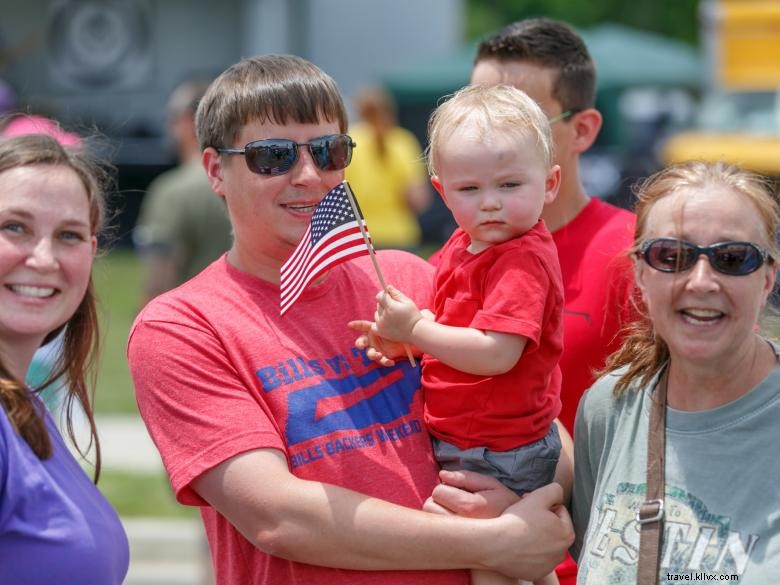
{"points": [[81, 342], [643, 352]]}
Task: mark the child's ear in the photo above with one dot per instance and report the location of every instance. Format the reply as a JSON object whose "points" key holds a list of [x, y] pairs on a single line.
{"points": [[438, 186], [552, 184]]}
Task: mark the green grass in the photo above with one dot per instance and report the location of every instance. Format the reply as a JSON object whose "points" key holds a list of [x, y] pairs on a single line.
{"points": [[142, 495], [118, 280]]}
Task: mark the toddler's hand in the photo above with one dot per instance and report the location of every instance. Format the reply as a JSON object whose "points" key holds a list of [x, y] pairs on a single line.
{"points": [[396, 315]]}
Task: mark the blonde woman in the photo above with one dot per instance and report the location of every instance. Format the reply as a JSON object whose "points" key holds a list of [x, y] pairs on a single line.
{"points": [[705, 261]]}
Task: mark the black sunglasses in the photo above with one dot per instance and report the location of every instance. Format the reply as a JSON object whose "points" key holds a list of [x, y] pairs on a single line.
{"points": [[732, 258], [276, 156]]}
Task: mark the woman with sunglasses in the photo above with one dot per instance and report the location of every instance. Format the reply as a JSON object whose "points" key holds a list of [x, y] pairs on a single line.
{"points": [[677, 442], [55, 526]]}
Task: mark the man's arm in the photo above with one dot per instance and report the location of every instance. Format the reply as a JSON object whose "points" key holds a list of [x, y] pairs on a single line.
{"points": [[470, 350], [322, 524]]}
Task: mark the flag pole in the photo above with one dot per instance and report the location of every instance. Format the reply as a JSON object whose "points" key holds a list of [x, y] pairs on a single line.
{"points": [[370, 247]]}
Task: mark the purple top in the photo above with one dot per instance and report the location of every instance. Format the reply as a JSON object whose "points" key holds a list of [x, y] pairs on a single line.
{"points": [[55, 526]]}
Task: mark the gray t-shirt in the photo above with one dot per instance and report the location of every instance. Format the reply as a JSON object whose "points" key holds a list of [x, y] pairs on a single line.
{"points": [[722, 493]]}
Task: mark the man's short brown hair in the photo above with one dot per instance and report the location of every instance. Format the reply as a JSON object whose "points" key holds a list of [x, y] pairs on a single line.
{"points": [[267, 88], [552, 44]]}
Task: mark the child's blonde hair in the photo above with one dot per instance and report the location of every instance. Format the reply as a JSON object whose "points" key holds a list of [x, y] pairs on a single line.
{"points": [[489, 108]]}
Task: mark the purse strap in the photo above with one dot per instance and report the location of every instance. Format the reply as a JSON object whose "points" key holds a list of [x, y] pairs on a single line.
{"points": [[651, 512]]}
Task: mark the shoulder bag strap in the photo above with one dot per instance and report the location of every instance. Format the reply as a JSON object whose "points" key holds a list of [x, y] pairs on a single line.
{"points": [[651, 512]]}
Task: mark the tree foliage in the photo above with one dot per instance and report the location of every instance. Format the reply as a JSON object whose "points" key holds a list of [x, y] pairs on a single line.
{"points": [[674, 18]]}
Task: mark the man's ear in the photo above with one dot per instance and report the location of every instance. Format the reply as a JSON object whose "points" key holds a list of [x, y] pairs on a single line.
{"points": [[212, 163], [587, 124], [436, 182]]}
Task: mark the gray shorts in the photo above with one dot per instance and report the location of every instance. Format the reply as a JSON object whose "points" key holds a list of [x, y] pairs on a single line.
{"points": [[522, 470]]}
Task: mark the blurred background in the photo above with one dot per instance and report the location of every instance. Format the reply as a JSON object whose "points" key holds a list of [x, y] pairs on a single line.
{"points": [[677, 79]]}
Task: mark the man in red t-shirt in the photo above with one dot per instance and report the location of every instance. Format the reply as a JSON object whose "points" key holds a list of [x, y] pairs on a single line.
{"points": [[549, 61], [308, 461]]}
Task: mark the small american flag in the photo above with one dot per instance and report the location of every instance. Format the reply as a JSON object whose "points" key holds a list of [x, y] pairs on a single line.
{"points": [[332, 237]]}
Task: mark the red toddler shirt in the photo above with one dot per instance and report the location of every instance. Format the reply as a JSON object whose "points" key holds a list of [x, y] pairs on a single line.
{"points": [[514, 287]]}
